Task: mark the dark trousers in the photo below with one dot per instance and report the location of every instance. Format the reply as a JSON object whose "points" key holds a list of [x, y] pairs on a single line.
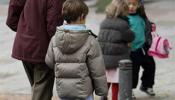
{"points": [[41, 79], [141, 58]]}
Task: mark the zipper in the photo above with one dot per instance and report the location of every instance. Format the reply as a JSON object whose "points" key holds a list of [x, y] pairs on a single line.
{"points": [[143, 51]]}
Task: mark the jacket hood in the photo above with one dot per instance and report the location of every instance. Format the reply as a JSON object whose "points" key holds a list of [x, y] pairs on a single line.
{"points": [[69, 41]]}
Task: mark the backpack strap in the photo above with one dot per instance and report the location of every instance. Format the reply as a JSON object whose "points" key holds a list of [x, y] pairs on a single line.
{"points": [[91, 33], [157, 43]]}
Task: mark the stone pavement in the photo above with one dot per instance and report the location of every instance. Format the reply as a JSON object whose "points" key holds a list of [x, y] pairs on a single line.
{"points": [[13, 80], [19, 97]]}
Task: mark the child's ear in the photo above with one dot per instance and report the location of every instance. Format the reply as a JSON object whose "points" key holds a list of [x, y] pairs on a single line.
{"points": [[82, 17]]}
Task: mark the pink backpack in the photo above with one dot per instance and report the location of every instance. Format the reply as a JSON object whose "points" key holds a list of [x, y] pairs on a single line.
{"points": [[160, 47]]}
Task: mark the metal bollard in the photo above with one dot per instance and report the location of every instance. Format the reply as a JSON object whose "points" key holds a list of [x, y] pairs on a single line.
{"points": [[125, 79]]}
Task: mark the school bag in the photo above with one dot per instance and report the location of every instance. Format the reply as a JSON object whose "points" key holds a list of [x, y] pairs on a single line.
{"points": [[160, 47]]}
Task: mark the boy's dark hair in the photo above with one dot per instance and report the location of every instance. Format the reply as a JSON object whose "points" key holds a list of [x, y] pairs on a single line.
{"points": [[73, 9]]}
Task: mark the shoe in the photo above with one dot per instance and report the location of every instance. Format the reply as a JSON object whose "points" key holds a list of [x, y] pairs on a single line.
{"points": [[148, 91], [133, 96]]}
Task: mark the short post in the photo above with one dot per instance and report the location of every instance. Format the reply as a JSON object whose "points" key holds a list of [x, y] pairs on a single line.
{"points": [[125, 79]]}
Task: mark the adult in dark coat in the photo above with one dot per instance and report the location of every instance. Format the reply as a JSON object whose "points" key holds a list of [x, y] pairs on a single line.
{"points": [[35, 23]]}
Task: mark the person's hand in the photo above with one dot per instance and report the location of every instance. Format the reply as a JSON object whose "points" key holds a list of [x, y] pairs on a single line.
{"points": [[153, 26]]}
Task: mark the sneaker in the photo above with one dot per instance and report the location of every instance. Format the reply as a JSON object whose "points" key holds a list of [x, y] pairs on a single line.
{"points": [[148, 91], [133, 96]]}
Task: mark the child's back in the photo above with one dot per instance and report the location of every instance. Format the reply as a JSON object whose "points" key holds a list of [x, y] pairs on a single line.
{"points": [[76, 56]]}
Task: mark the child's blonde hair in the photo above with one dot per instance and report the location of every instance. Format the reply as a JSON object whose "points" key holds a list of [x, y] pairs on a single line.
{"points": [[117, 8]]}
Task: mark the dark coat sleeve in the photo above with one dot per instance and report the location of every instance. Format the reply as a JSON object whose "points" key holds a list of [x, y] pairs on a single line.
{"points": [[54, 8], [148, 35], [14, 12], [148, 30]]}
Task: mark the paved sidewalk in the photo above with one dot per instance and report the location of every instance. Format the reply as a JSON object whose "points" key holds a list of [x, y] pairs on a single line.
{"points": [[19, 97], [13, 80]]}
